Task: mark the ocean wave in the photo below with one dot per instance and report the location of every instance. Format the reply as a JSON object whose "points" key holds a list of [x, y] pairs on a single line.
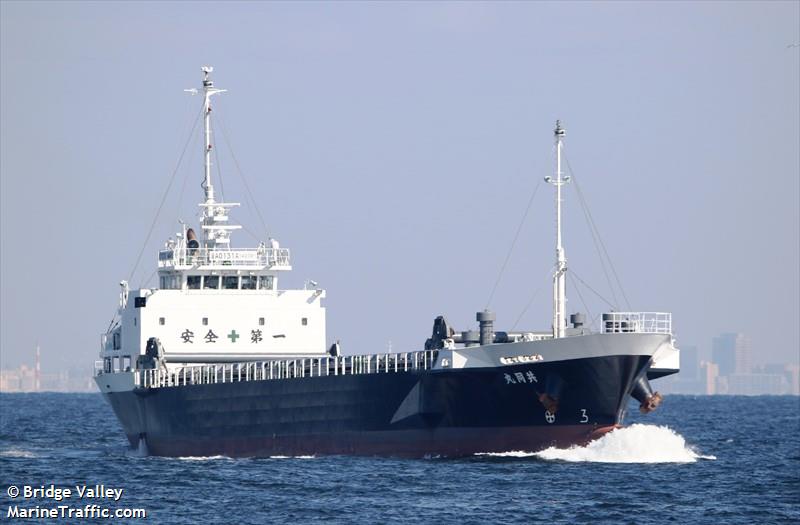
{"points": [[17, 453], [634, 444], [201, 458], [509, 454]]}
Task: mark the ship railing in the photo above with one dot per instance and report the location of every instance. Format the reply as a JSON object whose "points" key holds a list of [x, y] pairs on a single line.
{"points": [[637, 322], [286, 369], [198, 257]]}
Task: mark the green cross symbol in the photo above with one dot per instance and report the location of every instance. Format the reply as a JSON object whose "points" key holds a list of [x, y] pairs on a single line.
{"points": [[233, 336]]}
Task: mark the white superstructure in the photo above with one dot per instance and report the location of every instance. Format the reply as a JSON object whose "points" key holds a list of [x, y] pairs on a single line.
{"points": [[215, 303]]}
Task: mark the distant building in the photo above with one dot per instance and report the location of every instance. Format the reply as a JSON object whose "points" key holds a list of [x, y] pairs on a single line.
{"points": [[23, 379], [710, 377], [721, 386], [31, 379], [732, 353], [723, 352], [757, 384], [690, 364], [793, 373], [789, 375], [688, 380], [743, 359]]}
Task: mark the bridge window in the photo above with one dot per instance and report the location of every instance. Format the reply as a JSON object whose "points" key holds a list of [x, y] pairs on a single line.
{"points": [[211, 282], [168, 282], [230, 282], [304, 321], [265, 282], [161, 321], [261, 321], [249, 282], [193, 282], [205, 321]]}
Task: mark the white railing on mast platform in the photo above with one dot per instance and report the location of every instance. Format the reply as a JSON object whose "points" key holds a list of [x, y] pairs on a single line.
{"points": [[203, 257], [637, 322], [286, 369]]}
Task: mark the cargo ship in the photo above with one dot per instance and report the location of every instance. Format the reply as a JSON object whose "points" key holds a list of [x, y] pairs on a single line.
{"points": [[220, 360]]}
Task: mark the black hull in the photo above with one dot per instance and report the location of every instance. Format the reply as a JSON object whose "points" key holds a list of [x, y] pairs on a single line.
{"points": [[423, 413]]}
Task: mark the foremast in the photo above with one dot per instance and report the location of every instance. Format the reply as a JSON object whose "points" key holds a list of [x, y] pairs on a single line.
{"points": [[560, 273]]}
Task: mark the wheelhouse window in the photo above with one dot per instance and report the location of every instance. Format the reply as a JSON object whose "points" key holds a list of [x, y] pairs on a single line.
{"points": [[230, 282], [249, 282], [193, 282], [161, 321], [260, 321], [211, 282], [304, 321], [205, 321], [265, 282], [168, 282]]}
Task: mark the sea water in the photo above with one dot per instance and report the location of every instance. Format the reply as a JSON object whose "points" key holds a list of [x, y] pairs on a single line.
{"points": [[695, 460]]}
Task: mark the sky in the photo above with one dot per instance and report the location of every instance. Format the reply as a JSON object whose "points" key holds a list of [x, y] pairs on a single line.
{"points": [[394, 148]]}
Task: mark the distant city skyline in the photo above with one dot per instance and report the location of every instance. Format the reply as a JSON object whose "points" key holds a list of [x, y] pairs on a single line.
{"points": [[730, 371], [394, 148]]}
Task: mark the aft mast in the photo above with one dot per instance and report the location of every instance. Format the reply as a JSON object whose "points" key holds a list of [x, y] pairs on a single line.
{"points": [[560, 274], [216, 231], [208, 91]]}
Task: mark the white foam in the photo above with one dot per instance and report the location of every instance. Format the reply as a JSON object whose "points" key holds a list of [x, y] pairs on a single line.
{"points": [[634, 444], [201, 458], [292, 457], [509, 454], [17, 453]]}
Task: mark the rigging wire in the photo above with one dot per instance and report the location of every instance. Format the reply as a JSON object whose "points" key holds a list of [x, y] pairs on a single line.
{"points": [[195, 138], [219, 166], [252, 200], [150, 278], [596, 231], [251, 234], [589, 224], [580, 296], [530, 301], [513, 244], [164, 198], [195, 142], [593, 290]]}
